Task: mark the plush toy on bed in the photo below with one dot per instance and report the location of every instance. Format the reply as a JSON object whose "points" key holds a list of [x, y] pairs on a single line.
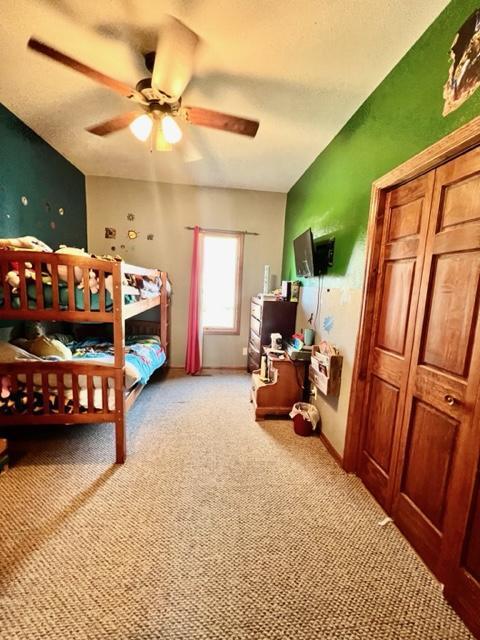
{"points": [[63, 269], [24, 243]]}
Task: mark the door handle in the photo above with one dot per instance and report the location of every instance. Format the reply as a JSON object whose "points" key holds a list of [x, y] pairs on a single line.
{"points": [[450, 400]]}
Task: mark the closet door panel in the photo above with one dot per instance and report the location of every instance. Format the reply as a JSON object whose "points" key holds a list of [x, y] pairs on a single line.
{"points": [[452, 312], [439, 438], [405, 224], [427, 468], [383, 409], [395, 305]]}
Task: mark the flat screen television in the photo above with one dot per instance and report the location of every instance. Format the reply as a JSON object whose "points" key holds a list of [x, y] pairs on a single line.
{"points": [[303, 250], [312, 257]]}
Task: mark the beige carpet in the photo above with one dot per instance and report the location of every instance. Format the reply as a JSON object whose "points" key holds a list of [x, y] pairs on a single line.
{"points": [[216, 527]]}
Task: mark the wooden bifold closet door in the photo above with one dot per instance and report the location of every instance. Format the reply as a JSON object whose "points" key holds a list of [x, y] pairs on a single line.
{"points": [[420, 451]]}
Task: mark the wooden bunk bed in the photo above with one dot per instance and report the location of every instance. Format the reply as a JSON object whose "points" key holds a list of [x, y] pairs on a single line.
{"points": [[116, 312]]}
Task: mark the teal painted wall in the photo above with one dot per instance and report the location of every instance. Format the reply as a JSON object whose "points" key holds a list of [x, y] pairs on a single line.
{"points": [[31, 167], [399, 119]]}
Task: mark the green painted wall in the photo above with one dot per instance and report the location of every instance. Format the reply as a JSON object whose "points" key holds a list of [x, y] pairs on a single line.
{"points": [[31, 167], [400, 118]]}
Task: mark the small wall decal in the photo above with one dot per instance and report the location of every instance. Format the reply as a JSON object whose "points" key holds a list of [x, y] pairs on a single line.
{"points": [[130, 217], [47, 207], [150, 236], [52, 224], [61, 211], [24, 200], [464, 74], [328, 323], [112, 248], [132, 234], [122, 246], [110, 233]]}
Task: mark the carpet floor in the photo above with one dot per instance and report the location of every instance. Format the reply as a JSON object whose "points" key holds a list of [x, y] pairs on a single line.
{"points": [[215, 528]]}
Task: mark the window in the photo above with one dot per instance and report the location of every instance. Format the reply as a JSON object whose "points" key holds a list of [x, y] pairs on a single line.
{"points": [[222, 258]]}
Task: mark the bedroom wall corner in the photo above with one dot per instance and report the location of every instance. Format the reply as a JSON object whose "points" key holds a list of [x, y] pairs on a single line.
{"points": [[164, 210]]}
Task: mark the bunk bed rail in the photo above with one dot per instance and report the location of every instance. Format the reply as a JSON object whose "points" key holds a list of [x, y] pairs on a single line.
{"points": [[25, 294], [60, 392]]}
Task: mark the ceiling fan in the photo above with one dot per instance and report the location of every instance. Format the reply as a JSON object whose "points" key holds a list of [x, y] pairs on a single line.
{"points": [[159, 96]]}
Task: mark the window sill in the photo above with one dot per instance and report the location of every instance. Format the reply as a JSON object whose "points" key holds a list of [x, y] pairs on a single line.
{"points": [[221, 332]]}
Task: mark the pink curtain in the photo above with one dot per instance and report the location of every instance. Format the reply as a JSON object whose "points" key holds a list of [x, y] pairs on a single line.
{"points": [[193, 357]]}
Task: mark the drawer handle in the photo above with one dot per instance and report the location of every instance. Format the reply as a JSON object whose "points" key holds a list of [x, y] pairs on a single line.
{"points": [[450, 400]]}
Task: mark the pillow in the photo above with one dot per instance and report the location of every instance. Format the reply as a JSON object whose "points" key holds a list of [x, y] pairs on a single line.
{"points": [[45, 347], [12, 353]]}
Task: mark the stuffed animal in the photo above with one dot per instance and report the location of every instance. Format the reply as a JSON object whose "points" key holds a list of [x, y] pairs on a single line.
{"points": [[5, 386], [25, 243], [62, 269], [93, 283], [13, 276]]}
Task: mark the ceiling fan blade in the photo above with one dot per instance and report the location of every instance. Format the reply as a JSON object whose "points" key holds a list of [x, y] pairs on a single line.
{"points": [[120, 87], [223, 121], [174, 57], [114, 124]]}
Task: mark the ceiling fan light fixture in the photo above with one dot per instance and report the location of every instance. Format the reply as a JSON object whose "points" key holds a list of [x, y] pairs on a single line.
{"points": [[160, 143], [170, 129], [141, 127]]}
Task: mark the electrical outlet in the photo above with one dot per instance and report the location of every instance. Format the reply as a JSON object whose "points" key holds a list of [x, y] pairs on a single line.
{"points": [[244, 351]]}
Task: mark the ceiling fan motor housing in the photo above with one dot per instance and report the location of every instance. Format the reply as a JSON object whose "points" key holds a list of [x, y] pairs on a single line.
{"points": [[157, 100]]}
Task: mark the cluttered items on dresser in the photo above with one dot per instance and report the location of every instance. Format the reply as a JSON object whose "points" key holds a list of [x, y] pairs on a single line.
{"points": [[268, 317]]}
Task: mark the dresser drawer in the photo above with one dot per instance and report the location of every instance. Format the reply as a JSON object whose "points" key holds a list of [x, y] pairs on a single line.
{"points": [[256, 310], [255, 325], [255, 341], [253, 363]]}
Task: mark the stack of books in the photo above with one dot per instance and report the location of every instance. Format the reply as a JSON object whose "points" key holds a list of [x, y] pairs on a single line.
{"points": [[3, 455]]}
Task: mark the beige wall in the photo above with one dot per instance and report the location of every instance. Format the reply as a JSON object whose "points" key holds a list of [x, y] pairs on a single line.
{"points": [[340, 306], [165, 210]]}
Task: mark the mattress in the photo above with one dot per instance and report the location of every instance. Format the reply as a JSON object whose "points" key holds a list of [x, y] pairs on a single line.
{"points": [[63, 298]]}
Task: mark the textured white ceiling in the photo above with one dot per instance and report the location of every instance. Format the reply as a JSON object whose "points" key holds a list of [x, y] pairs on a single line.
{"points": [[301, 67]]}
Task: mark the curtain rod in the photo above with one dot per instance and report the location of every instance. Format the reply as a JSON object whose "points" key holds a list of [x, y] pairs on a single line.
{"points": [[245, 233]]}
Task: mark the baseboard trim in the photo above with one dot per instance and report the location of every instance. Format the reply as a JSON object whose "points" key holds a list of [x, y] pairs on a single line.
{"points": [[227, 368], [331, 450], [215, 368]]}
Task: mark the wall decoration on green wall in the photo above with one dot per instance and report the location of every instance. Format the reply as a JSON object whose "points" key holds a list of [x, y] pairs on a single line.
{"points": [[464, 74], [31, 168]]}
